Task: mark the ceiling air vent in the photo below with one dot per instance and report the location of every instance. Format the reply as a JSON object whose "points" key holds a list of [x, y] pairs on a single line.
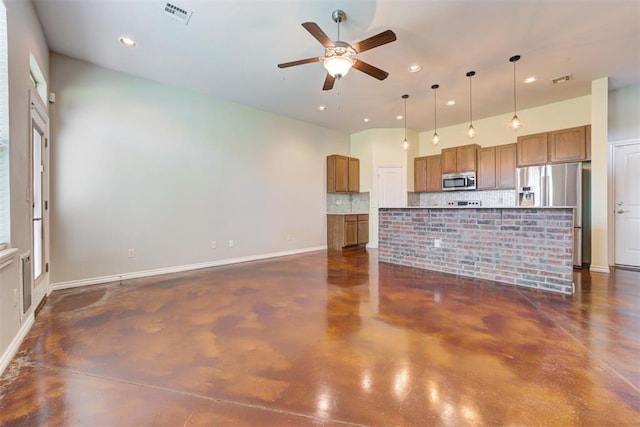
{"points": [[178, 13], [562, 79]]}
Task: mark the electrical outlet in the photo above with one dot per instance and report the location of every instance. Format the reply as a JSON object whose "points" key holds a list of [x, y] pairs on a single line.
{"points": [[214, 244], [132, 253], [230, 243], [437, 243], [288, 236], [15, 297]]}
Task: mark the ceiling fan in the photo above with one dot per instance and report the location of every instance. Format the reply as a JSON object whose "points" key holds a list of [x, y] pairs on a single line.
{"points": [[339, 56]]}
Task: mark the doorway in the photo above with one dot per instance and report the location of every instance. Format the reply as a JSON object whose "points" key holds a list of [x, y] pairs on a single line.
{"points": [[626, 175], [391, 192], [38, 197]]}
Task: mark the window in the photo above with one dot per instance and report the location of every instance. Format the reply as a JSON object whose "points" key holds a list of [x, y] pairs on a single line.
{"points": [[4, 132]]}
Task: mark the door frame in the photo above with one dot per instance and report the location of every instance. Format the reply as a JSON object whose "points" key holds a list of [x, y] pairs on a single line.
{"points": [[611, 244], [38, 115]]}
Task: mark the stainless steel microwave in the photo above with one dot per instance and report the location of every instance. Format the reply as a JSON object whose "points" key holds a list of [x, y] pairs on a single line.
{"points": [[459, 181]]}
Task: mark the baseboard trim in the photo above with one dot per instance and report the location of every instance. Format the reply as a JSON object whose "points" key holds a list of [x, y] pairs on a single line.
{"points": [[11, 351], [179, 268], [599, 269]]}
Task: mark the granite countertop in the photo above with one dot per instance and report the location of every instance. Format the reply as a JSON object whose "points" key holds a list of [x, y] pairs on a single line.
{"points": [[479, 207], [348, 213]]}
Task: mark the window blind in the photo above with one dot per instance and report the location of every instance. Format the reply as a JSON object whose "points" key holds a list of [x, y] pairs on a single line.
{"points": [[5, 227]]}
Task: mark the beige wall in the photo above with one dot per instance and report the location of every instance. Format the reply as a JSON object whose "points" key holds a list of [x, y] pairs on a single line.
{"points": [[494, 130], [142, 165], [24, 37], [624, 113]]}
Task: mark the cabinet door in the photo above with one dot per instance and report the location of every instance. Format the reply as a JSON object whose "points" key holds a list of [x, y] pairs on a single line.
{"points": [[363, 229], [354, 175], [420, 174], [532, 149], [486, 175], [506, 166], [567, 145], [466, 158], [449, 156], [350, 230], [434, 173], [342, 174]]}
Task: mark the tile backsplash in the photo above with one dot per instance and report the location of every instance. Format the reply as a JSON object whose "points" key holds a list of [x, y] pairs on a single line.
{"points": [[490, 198], [347, 203]]}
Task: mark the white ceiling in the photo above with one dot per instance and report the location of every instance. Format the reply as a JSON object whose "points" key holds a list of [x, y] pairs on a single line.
{"points": [[230, 49]]}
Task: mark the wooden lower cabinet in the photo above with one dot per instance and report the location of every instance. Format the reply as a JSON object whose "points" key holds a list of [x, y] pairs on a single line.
{"points": [[347, 231]]}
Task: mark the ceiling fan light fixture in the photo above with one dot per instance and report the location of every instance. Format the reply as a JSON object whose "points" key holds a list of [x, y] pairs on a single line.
{"points": [[338, 66]]}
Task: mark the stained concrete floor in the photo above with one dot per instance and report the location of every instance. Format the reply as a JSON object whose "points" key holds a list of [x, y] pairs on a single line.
{"points": [[329, 340]]}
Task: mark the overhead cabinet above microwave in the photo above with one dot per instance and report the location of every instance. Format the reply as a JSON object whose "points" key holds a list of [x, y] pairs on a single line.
{"points": [[459, 159]]}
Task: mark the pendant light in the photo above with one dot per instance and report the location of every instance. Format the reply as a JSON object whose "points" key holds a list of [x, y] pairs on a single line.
{"points": [[405, 144], [515, 120], [436, 139], [471, 131]]}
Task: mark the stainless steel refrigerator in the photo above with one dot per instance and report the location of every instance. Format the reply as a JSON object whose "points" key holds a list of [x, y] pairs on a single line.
{"points": [[554, 185]]}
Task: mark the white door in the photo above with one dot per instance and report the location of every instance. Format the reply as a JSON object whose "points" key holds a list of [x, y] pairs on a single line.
{"points": [[38, 198], [391, 192], [627, 204]]}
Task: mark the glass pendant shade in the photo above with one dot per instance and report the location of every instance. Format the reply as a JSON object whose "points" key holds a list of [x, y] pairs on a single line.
{"points": [[405, 144], [515, 122], [436, 139], [471, 132], [338, 66]]}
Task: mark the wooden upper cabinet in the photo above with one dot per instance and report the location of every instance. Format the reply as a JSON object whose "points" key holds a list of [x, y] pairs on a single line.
{"points": [[466, 158], [506, 166], [420, 174], [459, 159], [486, 173], [588, 142], [434, 173], [427, 174], [532, 149], [568, 145], [343, 174], [449, 160], [354, 175]]}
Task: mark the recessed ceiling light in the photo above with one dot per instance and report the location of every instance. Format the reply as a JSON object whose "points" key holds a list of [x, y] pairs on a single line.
{"points": [[451, 102], [366, 120], [322, 107], [128, 42], [399, 117], [414, 68], [530, 79]]}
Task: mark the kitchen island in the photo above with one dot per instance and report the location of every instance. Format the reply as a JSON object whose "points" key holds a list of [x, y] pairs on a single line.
{"points": [[523, 246]]}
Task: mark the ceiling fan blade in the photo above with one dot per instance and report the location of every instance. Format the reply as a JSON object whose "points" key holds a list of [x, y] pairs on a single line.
{"points": [[298, 62], [370, 69], [375, 41], [328, 82], [317, 32]]}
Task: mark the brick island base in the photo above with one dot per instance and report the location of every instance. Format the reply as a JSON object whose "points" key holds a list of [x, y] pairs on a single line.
{"points": [[530, 247]]}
